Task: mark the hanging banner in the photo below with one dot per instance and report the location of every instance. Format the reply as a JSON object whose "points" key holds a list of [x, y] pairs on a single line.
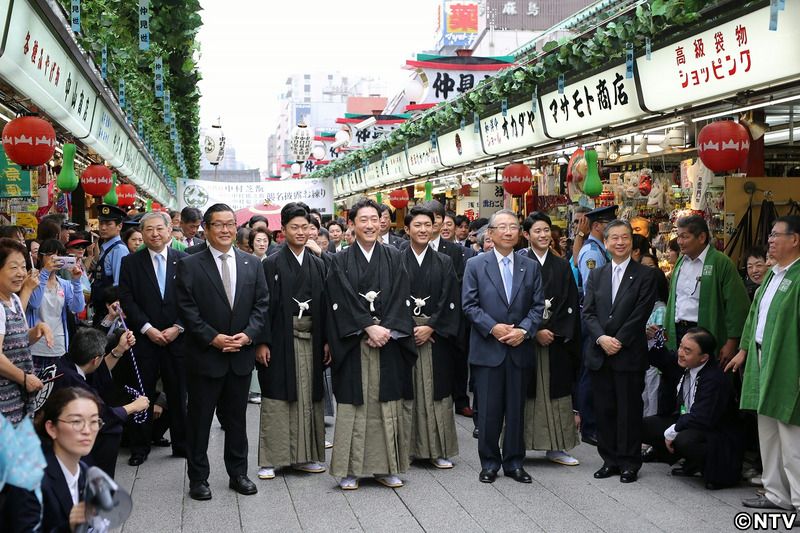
{"points": [[144, 24], [75, 16], [158, 76], [14, 182], [593, 102], [521, 128], [104, 62], [317, 193], [742, 54], [121, 95], [167, 103]]}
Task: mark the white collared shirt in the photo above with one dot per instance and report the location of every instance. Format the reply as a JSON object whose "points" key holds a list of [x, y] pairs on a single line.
{"points": [[500, 258], [384, 240], [72, 480], [688, 401], [435, 243], [367, 254], [622, 267], [687, 287], [80, 371], [779, 273], [231, 266], [541, 258], [300, 256], [420, 257]]}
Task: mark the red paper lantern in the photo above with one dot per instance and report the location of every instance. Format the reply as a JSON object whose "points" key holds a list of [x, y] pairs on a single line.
{"points": [[97, 180], [517, 179], [155, 206], [29, 141], [723, 146], [398, 198], [126, 195]]}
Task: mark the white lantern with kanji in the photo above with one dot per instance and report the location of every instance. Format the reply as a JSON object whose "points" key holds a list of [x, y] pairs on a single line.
{"points": [[301, 142]]}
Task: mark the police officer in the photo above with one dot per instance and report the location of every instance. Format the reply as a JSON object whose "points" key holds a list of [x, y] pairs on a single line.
{"points": [[592, 255], [112, 250]]}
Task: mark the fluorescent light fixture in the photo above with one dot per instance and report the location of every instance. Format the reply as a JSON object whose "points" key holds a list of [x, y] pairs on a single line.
{"points": [[665, 127], [747, 108]]}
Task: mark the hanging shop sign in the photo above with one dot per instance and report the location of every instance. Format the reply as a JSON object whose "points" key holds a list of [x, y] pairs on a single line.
{"points": [[460, 146], [423, 159], [393, 169], [458, 21], [39, 66], [317, 193], [738, 55], [446, 77], [491, 198], [108, 137], [591, 103], [520, 127], [14, 182], [372, 174]]}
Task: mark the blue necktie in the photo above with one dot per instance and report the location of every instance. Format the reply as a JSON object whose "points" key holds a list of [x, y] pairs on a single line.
{"points": [[161, 273], [508, 278]]}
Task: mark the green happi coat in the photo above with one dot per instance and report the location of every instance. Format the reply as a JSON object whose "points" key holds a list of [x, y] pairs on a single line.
{"points": [[773, 388], [723, 300]]}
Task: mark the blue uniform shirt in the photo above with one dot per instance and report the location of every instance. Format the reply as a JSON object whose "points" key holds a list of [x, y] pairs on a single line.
{"points": [[591, 256], [113, 261]]}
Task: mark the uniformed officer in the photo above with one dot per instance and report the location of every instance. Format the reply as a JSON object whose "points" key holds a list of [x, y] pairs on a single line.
{"points": [[592, 255], [112, 250]]}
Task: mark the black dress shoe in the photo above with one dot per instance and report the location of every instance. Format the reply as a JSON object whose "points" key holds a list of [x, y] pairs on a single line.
{"points": [[243, 485], [198, 490], [628, 476], [684, 471], [161, 443], [519, 475], [487, 476], [606, 471], [649, 455], [475, 433], [137, 458]]}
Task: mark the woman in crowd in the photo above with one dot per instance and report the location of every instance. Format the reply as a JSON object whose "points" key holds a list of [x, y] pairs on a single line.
{"points": [[259, 242], [33, 250], [132, 239], [757, 268], [18, 383], [52, 301]]}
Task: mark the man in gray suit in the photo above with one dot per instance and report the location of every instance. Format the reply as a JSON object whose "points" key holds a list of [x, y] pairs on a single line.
{"points": [[502, 298]]}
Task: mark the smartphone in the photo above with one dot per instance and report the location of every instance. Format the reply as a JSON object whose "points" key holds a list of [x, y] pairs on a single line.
{"points": [[66, 261]]}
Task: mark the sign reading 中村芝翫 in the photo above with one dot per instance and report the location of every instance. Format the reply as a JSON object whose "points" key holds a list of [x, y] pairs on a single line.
{"points": [[520, 128], [593, 102], [742, 54], [317, 193]]}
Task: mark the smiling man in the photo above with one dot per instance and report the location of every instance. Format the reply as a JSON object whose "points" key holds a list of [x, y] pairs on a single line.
{"points": [[372, 345]]}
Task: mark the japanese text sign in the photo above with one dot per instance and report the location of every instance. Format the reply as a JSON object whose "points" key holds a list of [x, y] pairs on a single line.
{"points": [[317, 193]]}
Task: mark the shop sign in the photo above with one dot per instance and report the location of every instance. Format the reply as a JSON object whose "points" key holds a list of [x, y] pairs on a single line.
{"points": [[423, 159], [469, 206], [742, 54], [108, 138], [28, 222], [591, 103], [491, 198], [460, 146], [317, 193], [441, 84], [521, 127], [38, 65], [391, 169], [372, 174], [460, 23], [14, 182]]}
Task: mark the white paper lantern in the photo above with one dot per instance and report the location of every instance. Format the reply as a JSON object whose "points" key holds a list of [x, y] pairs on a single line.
{"points": [[214, 145], [342, 138], [296, 169], [414, 90], [318, 151], [301, 142]]}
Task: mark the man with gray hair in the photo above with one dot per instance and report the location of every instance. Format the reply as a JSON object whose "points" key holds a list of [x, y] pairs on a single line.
{"points": [[147, 293], [619, 297]]}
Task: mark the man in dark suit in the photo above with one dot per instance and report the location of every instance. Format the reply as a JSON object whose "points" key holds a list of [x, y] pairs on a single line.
{"points": [[147, 293], [619, 299], [222, 299], [502, 298], [386, 235], [190, 224]]}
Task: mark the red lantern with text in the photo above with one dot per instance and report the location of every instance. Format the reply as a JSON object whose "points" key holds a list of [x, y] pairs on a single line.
{"points": [[29, 141], [517, 179], [723, 146], [398, 198], [96, 180], [155, 206], [126, 195]]}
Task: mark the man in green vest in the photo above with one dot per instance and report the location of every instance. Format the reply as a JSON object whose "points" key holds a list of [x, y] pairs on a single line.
{"points": [[706, 291], [772, 373]]}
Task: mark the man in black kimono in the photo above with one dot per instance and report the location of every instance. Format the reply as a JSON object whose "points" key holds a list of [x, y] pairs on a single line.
{"points": [[550, 422], [290, 370], [436, 308], [372, 343]]}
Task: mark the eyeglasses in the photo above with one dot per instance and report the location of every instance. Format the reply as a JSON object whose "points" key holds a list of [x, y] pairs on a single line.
{"points": [[505, 227], [79, 424], [776, 233], [219, 225]]}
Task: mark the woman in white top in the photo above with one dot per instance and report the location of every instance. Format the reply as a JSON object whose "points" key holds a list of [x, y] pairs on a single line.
{"points": [[52, 300]]}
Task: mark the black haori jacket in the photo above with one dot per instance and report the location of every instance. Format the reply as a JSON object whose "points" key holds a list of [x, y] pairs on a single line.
{"points": [[278, 381], [349, 314]]}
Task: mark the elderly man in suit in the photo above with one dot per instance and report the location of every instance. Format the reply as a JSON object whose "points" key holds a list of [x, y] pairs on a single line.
{"points": [[223, 301], [147, 293], [502, 298], [618, 301]]}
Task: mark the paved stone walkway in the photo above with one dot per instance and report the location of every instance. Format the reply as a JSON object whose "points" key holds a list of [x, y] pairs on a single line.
{"points": [[561, 499]]}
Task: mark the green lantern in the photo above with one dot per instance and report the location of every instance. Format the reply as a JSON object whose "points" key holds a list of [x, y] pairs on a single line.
{"points": [[379, 198], [111, 196], [592, 186], [149, 206], [428, 191], [67, 180]]}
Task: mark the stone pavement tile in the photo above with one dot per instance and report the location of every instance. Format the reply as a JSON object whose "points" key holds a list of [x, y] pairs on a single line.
{"points": [[318, 502], [159, 490], [379, 509]]}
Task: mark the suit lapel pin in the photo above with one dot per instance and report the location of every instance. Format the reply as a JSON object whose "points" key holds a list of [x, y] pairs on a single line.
{"points": [[245, 262]]}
